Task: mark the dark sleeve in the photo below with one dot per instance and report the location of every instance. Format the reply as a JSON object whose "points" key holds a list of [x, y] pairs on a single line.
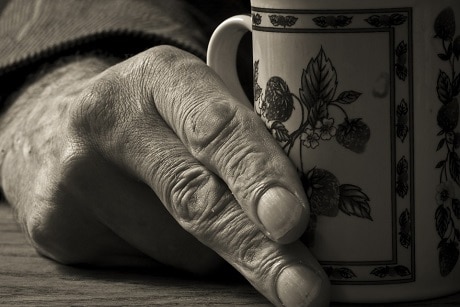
{"points": [[33, 32]]}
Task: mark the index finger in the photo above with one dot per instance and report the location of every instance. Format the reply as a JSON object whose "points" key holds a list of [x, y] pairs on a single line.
{"points": [[229, 139]]}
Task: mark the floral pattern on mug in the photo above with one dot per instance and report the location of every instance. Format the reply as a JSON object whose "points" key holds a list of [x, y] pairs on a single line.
{"points": [[315, 116], [448, 89], [317, 96]]}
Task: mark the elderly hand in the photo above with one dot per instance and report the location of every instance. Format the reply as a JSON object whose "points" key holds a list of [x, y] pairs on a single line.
{"points": [[152, 158]]}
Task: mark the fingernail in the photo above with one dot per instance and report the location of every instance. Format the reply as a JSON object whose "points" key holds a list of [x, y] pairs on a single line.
{"points": [[282, 215], [298, 286]]}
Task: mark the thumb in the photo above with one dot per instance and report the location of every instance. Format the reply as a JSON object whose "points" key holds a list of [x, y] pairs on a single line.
{"points": [[229, 139]]}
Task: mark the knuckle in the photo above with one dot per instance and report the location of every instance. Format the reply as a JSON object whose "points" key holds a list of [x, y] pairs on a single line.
{"points": [[209, 129], [101, 112], [167, 62], [91, 110], [98, 106], [164, 57], [257, 256], [197, 199]]}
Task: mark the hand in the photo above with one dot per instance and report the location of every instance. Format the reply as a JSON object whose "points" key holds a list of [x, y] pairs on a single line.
{"points": [[153, 160]]}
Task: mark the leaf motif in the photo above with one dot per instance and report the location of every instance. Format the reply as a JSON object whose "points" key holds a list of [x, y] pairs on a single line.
{"points": [[386, 271], [441, 164], [441, 144], [448, 256], [343, 21], [401, 57], [386, 21], [374, 20], [339, 273], [450, 50], [402, 167], [456, 47], [402, 188], [282, 21], [401, 131], [405, 240], [381, 272], [402, 109], [257, 91], [397, 19], [279, 132], [346, 273], [348, 97], [401, 50], [454, 166], [319, 81], [405, 237], [332, 21], [443, 57], [456, 86], [256, 19], [354, 202], [257, 88], [401, 72], [444, 88], [401, 127], [442, 220], [401, 270], [290, 21], [321, 21], [456, 207]]}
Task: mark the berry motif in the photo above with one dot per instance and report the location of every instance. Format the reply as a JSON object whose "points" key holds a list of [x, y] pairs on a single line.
{"points": [[444, 26], [317, 96], [448, 257], [278, 103], [323, 192], [353, 134], [448, 115]]}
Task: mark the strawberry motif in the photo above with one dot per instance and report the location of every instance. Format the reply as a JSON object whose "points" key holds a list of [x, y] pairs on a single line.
{"points": [[448, 257], [318, 93], [448, 115], [444, 25], [323, 191], [278, 103], [353, 134]]}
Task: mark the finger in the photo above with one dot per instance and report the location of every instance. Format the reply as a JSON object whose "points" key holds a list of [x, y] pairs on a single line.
{"points": [[201, 202], [287, 275], [231, 140]]}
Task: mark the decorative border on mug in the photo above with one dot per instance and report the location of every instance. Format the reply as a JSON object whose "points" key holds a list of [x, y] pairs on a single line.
{"points": [[275, 106]]}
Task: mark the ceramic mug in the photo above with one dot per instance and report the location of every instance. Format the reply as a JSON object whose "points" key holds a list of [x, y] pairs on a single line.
{"points": [[363, 97]]}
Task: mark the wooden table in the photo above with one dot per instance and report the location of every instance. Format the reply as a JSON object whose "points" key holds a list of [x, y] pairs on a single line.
{"points": [[27, 279]]}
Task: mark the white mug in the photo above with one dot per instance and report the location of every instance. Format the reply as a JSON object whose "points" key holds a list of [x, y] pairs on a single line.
{"points": [[363, 97]]}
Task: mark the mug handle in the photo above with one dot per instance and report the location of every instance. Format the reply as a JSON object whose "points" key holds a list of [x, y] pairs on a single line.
{"points": [[222, 52]]}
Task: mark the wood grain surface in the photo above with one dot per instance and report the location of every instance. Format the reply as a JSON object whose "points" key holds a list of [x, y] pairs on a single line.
{"points": [[26, 279]]}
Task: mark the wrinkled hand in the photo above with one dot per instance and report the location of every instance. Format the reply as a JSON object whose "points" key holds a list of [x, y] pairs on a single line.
{"points": [[153, 159]]}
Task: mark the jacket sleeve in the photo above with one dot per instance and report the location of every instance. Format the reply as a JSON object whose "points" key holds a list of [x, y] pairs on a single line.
{"points": [[33, 32]]}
